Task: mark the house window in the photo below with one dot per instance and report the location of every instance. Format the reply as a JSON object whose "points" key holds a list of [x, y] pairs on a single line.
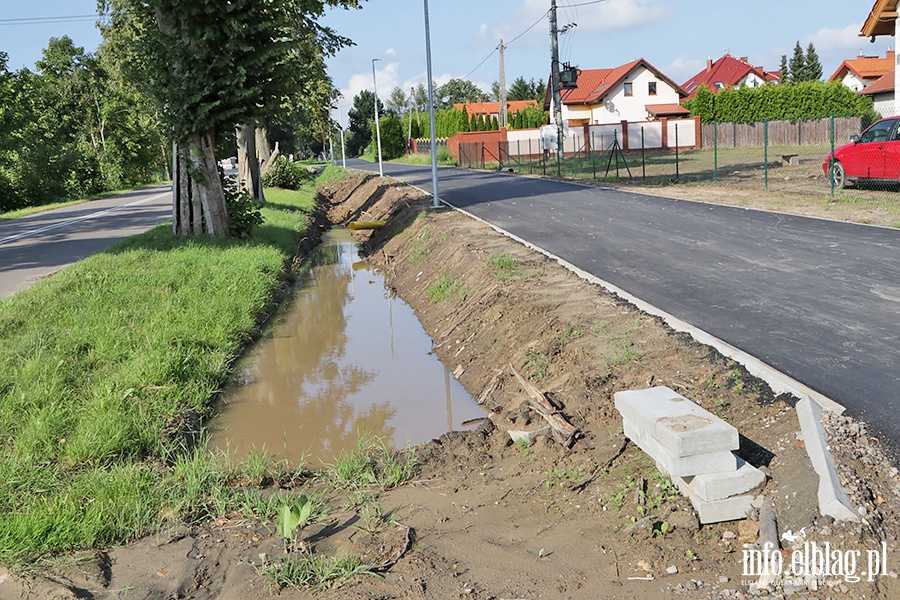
{"points": [[651, 88], [628, 89]]}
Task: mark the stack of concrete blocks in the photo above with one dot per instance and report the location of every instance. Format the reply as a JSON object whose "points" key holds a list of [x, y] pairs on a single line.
{"points": [[694, 448]]}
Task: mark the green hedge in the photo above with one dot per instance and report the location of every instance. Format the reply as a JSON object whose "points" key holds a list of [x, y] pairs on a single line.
{"points": [[788, 102]]}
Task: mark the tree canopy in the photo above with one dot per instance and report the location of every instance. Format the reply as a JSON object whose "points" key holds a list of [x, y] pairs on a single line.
{"points": [[458, 91], [211, 66]]}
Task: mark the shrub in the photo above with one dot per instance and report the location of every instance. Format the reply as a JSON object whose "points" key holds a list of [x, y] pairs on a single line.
{"points": [[243, 212], [285, 174]]}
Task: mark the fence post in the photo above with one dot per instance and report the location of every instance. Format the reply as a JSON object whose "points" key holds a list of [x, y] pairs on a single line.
{"points": [[593, 157], [643, 157], [677, 166], [831, 166], [715, 151], [766, 151]]}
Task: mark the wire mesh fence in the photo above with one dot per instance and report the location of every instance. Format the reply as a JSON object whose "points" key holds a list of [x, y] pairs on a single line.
{"points": [[783, 156]]}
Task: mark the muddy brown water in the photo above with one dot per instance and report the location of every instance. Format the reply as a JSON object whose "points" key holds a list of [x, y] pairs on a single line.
{"points": [[345, 358]]}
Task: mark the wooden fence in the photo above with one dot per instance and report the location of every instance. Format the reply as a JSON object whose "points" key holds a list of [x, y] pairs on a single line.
{"points": [[781, 133]]}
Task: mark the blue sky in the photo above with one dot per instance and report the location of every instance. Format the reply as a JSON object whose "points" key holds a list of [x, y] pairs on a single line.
{"points": [[675, 36]]}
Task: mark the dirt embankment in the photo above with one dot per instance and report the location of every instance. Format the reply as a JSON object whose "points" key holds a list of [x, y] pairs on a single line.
{"points": [[490, 519]]}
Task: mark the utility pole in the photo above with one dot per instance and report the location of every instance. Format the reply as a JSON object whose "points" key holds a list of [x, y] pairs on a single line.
{"points": [[502, 97], [554, 80]]}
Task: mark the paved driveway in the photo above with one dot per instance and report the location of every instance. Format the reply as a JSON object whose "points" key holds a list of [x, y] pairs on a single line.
{"points": [[817, 300]]}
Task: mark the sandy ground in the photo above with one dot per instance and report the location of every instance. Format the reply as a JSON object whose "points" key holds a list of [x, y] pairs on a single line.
{"points": [[488, 519]]}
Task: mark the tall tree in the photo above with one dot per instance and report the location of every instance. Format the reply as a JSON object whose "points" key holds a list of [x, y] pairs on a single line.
{"points": [[785, 74], [210, 66], [797, 65], [458, 91], [362, 121], [526, 90], [812, 66], [398, 101]]}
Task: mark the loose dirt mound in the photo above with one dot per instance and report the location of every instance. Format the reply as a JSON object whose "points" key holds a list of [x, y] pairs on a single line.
{"points": [[487, 518]]}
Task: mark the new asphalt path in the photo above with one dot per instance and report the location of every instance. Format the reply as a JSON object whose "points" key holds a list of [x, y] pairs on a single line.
{"points": [[818, 300], [35, 246]]}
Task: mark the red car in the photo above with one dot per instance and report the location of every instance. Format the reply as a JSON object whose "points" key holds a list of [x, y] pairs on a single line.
{"points": [[872, 156]]}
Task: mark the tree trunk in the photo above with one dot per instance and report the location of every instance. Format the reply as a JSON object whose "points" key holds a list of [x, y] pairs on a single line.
{"points": [[198, 192], [249, 177]]}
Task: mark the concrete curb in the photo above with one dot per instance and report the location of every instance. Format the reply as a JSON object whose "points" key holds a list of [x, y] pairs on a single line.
{"points": [[833, 501]]}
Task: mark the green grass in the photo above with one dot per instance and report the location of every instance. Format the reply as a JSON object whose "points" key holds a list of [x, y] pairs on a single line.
{"points": [[103, 366], [372, 463], [444, 287], [315, 570]]}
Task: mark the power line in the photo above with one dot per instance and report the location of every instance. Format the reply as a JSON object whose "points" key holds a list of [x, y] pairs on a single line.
{"points": [[506, 45], [49, 20]]}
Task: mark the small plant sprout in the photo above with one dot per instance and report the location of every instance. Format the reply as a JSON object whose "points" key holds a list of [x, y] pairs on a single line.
{"points": [[291, 517]]}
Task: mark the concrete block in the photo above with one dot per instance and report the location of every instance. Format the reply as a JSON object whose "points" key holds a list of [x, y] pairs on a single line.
{"points": [[717, 486], [527, 436], [716, 511], [833, 501], [680, 466], [682, 427]]}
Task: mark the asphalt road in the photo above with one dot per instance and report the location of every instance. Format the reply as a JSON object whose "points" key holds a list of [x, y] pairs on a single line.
{"points": [[817, 300], [36, 246]]}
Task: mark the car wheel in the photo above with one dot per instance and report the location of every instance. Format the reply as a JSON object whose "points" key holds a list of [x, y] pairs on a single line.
{"points": [[838, 175]]}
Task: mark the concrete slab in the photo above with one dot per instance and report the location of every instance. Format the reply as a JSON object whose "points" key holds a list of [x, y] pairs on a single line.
{"points": [[718, 486], [833, 501], [716, 511], [680, 466], [682, 427]]}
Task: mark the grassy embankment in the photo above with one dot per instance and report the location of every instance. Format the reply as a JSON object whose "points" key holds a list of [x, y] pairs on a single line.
{"points": [[105, 364]]}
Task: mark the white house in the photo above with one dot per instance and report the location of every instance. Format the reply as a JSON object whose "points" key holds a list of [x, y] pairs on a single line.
{"points": [[857, 73], [636, 91]]}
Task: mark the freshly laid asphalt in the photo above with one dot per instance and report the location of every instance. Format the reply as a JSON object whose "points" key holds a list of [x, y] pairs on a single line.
{"points": [[36, 246], [818, 300]]}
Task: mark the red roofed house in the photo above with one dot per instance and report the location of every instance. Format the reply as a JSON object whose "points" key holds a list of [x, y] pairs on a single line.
{"points": [[492, 109], [729, 72], [882, 20], [861, 71], [882, 94], [636, 91]]}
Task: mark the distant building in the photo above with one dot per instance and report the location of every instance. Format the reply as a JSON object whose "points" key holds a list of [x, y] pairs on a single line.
{"points": [[729, 72], [492, 109], [635, 91], [881, 91], [861, 71]]}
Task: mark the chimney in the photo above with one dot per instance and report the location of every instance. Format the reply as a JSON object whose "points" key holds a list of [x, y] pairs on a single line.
{"points": [[890, 55], [744, 59], [708, 64]]}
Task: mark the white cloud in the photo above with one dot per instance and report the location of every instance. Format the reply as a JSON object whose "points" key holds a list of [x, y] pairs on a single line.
{"points": [[682, 68], [616, 15]]}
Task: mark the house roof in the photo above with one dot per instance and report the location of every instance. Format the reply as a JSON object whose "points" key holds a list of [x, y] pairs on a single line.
{"points": [[725, 72], [667, 110], [883, 84], [881, 19], [493, 108], [594, 84], [865, 67]]}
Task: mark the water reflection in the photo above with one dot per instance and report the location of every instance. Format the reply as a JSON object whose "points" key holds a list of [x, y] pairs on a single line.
{"points": [[345, 357]]}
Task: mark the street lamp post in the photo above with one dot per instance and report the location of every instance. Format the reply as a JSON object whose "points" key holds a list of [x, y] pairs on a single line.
{"points": [[377, 126], [343, 152], [434, 178]]}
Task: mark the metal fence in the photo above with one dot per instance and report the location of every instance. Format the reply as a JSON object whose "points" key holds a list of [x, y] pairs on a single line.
{"points": [[778, 156]]}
